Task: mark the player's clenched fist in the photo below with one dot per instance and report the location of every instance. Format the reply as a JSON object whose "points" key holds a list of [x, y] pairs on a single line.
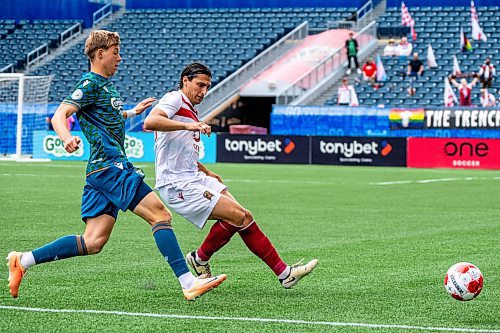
{"points": [[199, 126], [71, 145]]}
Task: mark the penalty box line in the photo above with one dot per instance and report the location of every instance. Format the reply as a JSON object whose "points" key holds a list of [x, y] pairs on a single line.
{"points": [[250, 319]]}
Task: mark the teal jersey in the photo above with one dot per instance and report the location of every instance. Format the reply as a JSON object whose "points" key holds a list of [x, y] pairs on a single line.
{"points": [[100, 116]]}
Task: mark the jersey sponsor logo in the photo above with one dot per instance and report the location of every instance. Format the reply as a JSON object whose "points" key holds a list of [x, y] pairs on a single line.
{"points": [[180, 196], [52, 145], [208, 195], [85, 83], [105, 89], [117, 103], [77, 94]]}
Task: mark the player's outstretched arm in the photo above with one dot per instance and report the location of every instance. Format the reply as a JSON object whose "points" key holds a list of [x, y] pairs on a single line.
{"points": [[205, 170], [139, 108], [158, 120], [71, 143]]}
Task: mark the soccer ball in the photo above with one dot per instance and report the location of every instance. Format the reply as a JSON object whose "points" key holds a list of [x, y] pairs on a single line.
{"points": [[463, 281]]}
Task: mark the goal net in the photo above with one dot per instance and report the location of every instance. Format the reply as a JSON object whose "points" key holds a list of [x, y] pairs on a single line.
{"points": [[23, 110]]}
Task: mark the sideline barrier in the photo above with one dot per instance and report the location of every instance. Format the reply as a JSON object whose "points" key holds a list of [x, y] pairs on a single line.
{"points": [[385, 122], [139, 147], [311, 150], [454, 153]]}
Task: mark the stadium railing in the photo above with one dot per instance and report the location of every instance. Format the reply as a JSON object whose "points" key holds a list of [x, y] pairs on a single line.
{"points": [[36, 55], [70, 33], [231, 85], [298, 90], [101, 14]]}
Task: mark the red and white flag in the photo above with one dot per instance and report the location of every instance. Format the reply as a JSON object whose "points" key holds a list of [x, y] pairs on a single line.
{"points": [[477, 32], [407, 20], [449, 96]]}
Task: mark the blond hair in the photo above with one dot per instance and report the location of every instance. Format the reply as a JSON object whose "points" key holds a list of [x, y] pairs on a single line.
{"points": [[100, 39]]}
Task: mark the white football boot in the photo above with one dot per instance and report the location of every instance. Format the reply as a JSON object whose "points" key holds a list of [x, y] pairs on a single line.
{"points": [[297, 272], [197, 267]]}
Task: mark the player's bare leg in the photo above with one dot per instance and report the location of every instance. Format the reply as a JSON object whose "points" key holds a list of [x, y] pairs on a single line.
{"points": [[153, 211], [97, 232], [233, 218]]}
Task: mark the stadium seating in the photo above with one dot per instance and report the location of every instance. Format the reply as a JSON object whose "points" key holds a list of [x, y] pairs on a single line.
{"points": [[438, 26], [157, 43], [19, 39]]}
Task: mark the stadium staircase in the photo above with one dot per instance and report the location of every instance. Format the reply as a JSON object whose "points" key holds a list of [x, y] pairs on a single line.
{"points": [[329, 95]]}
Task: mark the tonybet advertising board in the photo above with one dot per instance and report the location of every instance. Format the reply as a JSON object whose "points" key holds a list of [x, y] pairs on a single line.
{"points": [[262, 148], [454, 153], [358, 151]]}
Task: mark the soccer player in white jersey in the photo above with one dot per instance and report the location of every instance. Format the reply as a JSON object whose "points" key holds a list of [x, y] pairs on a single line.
{"points": [[197, 193]]}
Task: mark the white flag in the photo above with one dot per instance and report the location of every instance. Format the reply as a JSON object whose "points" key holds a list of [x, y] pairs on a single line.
{"points": [[477, 32], [456, 67], [449, 96], [381, 74], [431, 59]]}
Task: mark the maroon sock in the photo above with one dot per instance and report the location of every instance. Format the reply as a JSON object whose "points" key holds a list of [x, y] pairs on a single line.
{"points": [[262, 247], [218, 236]]}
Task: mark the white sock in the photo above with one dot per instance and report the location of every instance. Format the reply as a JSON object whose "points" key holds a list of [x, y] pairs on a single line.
{"points": [[187, 280], [285, 273], [198, 260], [27, 260]]}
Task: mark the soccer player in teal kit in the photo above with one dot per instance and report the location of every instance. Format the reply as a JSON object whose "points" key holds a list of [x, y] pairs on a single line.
{"points": [[112, 183]]}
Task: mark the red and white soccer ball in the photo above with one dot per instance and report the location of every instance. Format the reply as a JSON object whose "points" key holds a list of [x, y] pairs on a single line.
{"points": [[463, 281]]}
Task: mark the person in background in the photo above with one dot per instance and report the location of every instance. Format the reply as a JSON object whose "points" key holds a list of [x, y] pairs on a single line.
{"points": [[390, 49], [370, 72], [487, 99], [404, 48], [487, 73], [464, 89], [346, 95], [352, 53]]}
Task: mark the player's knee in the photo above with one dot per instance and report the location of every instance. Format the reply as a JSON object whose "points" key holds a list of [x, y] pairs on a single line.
{"points": [[238, 217], [94, 246], [163, 214], [248, 218], [159, 213]]}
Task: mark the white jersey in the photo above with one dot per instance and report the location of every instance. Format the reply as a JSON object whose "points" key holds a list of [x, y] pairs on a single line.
{"points": [[176, 152]]}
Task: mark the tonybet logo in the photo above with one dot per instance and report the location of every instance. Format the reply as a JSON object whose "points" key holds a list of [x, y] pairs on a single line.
{"points": [[349, 149], [134, 147], [52, 145], [253, 147]]}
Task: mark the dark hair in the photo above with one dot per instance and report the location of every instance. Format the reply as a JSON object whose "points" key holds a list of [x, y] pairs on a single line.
{"points": [[193, 70]]}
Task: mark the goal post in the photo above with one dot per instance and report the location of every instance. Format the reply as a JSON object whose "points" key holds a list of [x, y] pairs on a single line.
{"points": [[23, 110]]}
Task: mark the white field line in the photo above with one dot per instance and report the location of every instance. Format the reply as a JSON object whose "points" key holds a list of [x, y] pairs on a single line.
{"points": [[150, 178], [250, 319], [436, 180], [38, 164]]}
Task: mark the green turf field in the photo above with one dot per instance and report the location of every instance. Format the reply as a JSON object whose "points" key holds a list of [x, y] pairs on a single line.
{"points": [[383, 250]]}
